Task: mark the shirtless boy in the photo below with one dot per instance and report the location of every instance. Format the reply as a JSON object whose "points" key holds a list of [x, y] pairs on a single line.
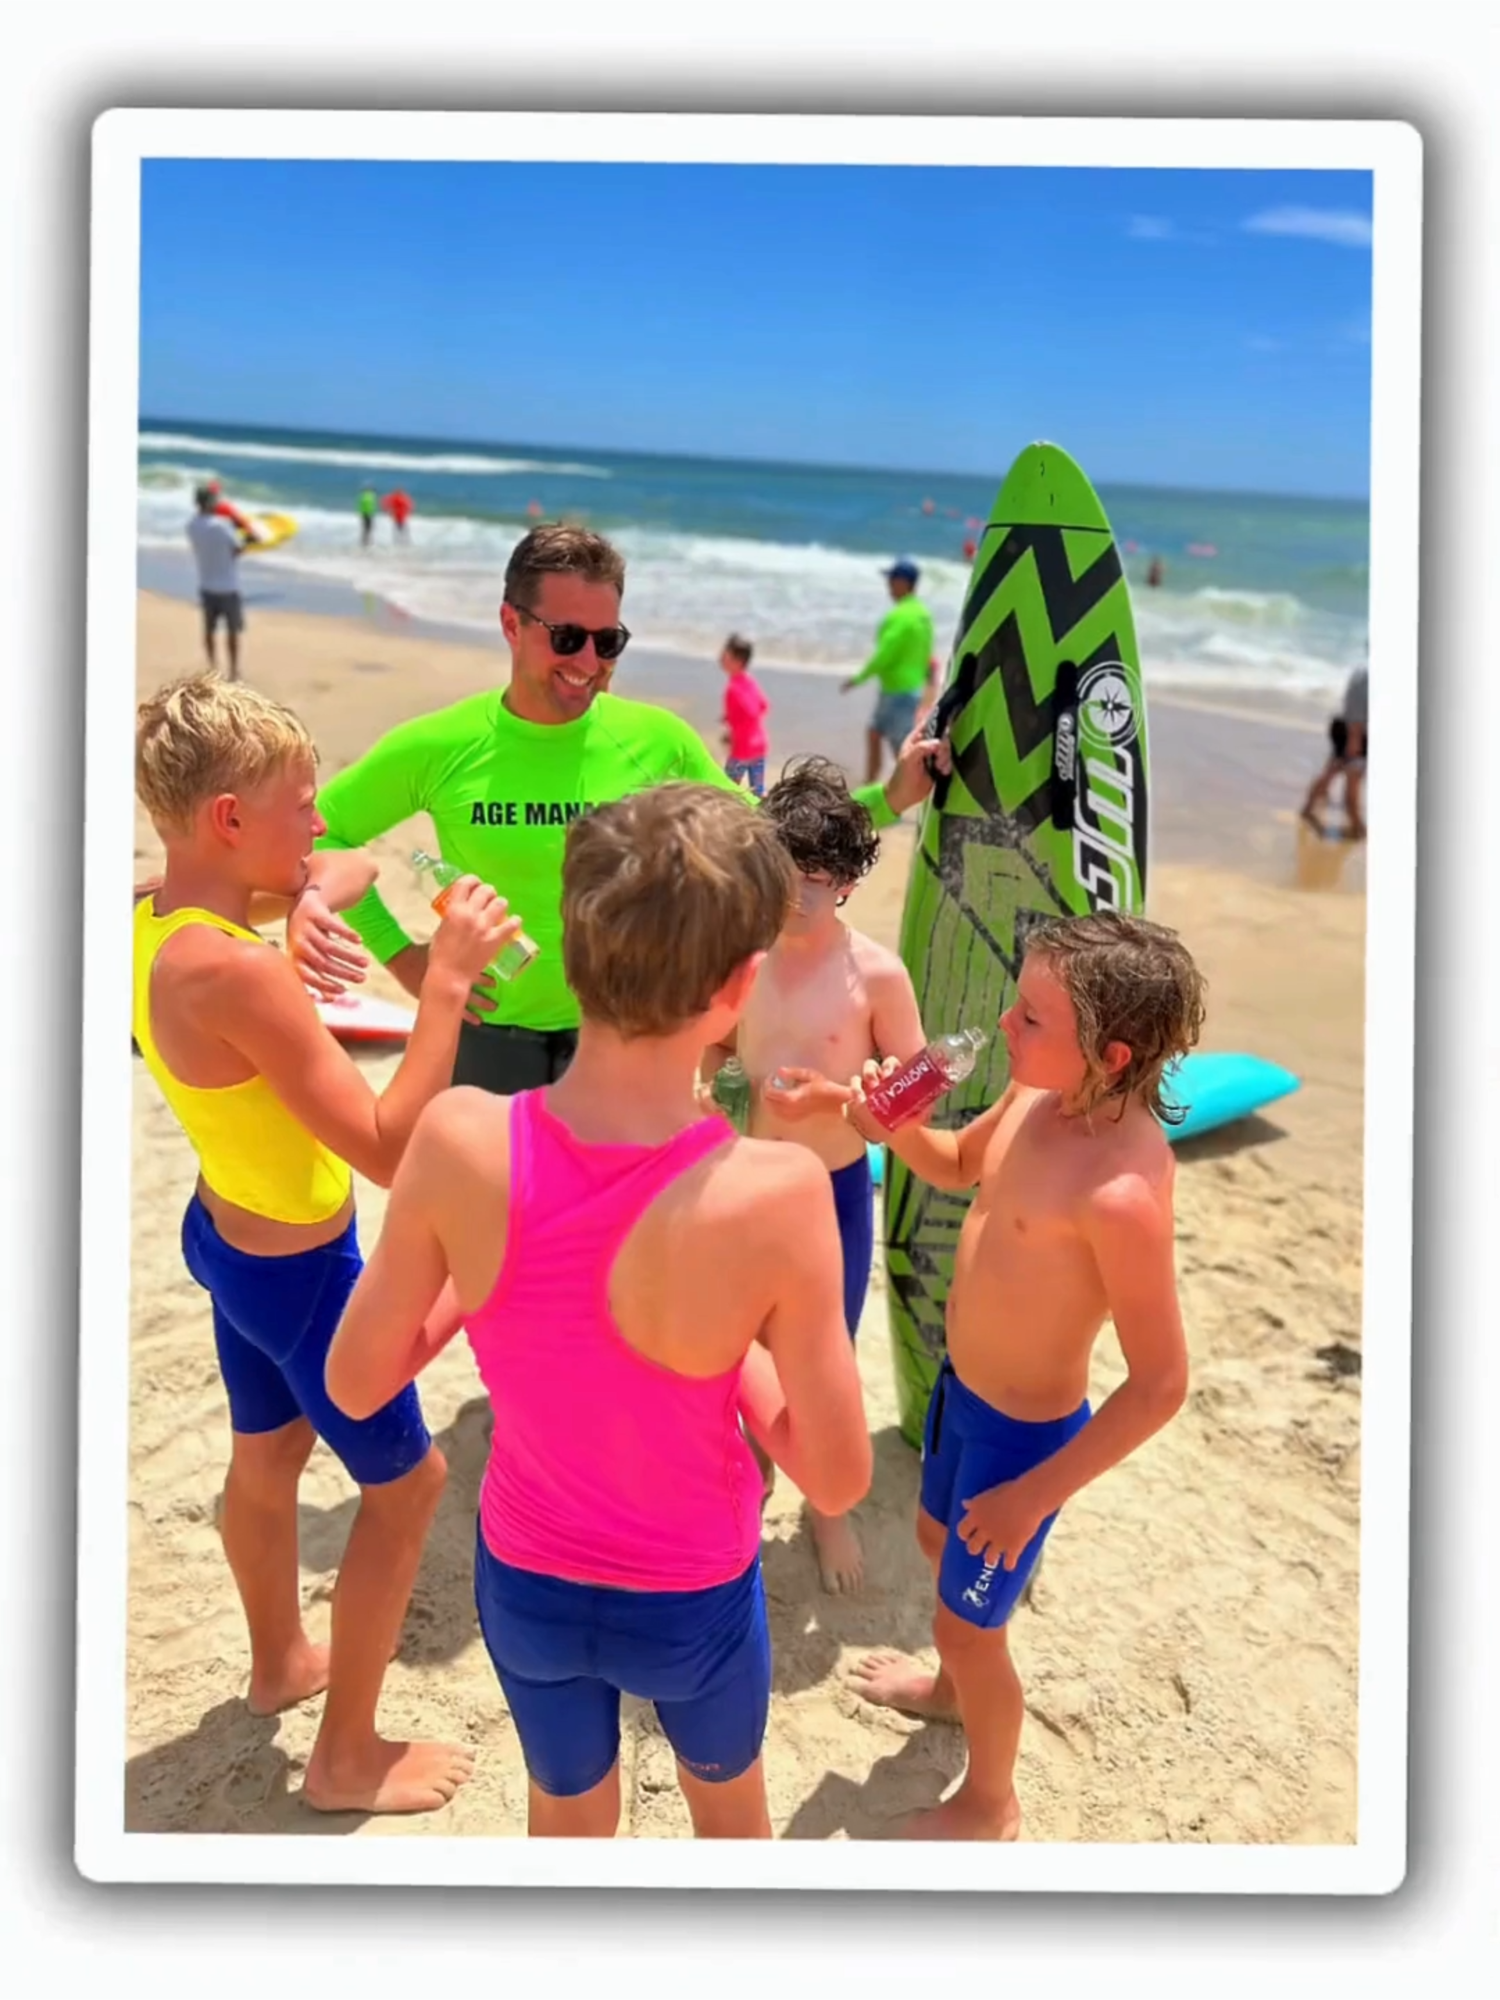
{"points": [[1072, 1224], [635, 1279], [278, 1114], [826, 1000]]}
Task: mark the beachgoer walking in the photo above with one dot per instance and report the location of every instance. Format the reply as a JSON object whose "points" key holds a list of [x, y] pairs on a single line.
{"points": [[618, 1258], [901, 663], [216, 552], [398, 506], [368, 503], [745, 707]]}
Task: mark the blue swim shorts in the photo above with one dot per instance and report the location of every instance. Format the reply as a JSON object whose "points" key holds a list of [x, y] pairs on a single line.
{"points": [[854, 1203], [274, 1322], [967, 1448], [565, 1652], [749, 771], [893, 717]]}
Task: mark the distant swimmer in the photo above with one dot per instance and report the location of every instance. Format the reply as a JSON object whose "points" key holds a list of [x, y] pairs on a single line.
{"points": [[368, 503], [398, 506], [1349, 738], [1153, 574]]}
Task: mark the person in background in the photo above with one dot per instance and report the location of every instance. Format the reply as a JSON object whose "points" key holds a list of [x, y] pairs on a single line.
{"points": [[745, 707], [367, 506], [398, 506], [1349, 737], [216, 550], [900, 663]]}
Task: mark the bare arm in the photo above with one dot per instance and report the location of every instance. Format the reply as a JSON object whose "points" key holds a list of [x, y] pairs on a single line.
{"points": [[800, 1392], [263, 1012], [1129, 1229], [338, 877], [895, 1019], [951, 1161], [404, 1310]]}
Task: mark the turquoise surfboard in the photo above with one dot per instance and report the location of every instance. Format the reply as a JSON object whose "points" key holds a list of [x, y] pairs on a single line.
{"points": [[1217, 1090]]}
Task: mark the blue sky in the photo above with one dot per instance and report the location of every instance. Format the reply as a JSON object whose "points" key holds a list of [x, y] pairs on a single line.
{"points": [[1179, 327]]}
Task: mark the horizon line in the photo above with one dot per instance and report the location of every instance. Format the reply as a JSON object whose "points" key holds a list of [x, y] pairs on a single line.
{"points": [[734, 458]]}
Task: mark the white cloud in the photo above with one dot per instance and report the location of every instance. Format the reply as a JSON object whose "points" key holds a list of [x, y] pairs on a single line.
{"points": [[1324, 225]]}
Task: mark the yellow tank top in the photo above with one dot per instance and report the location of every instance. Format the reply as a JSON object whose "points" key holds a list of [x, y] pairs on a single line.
{"points": [[250, 1148]]}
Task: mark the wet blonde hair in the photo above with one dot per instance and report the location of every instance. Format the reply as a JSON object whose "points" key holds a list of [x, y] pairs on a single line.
{"points": [[202, 736], [665, 894], [1129, 981]]}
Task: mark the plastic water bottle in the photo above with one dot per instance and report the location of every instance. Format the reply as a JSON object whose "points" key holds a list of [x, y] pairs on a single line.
{"points": [[907, 1092], [515, 957], [730, 1090]]}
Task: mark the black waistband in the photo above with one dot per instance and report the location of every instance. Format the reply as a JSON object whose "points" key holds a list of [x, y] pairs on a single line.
{"points": [[544, 1038]]}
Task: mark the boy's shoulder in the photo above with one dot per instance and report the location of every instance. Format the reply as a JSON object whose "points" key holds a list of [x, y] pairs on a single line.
{"points": [[876, 960], [1133, 1175]]}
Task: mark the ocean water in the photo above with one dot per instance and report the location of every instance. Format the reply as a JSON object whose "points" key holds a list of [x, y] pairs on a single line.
{"points": [[789, 555]]}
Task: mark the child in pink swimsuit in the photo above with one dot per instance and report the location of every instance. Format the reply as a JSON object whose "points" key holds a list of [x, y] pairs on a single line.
{"points": [[745, 707], [635, 1278]]}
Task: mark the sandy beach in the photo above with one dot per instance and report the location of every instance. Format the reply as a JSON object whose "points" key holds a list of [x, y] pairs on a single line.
{"points": [[1190, 1651]]}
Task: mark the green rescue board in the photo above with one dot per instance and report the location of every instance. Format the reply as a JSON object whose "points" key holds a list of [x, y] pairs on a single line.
{"points": [[1045, 814]]}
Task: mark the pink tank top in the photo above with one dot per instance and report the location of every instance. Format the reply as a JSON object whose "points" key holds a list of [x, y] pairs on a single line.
{"points": [[604, 1467]]}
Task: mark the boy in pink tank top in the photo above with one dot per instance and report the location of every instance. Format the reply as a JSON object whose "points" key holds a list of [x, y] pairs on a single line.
{"points": [[635, 1278]]}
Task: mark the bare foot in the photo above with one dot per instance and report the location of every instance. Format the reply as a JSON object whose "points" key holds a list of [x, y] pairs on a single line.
{"points": [[840, 1558], [388, 1778], [893, 1680], [961, 1818], [302, 1674]]}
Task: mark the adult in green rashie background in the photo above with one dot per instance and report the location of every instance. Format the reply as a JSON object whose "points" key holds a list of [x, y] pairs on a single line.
{"points": [[903, 664], [503, 773]]}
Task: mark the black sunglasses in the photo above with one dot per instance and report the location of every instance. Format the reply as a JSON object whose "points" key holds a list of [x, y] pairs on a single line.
{"points": [[609, 642]]}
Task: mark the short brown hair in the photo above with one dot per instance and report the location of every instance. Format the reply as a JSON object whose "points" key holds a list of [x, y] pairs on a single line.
{"points": [[739, 649], [201, 736], [560, 548], [665, 893], [1129, 981], [821, 824]]}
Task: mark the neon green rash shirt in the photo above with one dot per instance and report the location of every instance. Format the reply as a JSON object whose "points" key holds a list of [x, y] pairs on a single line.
{"points": [[903, 649], [501, 793]]}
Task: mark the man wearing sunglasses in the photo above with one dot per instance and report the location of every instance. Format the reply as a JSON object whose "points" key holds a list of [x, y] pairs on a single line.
{"points": [[502, 775]]}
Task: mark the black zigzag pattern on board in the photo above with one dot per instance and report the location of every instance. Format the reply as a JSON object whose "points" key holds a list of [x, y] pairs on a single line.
{"points": [[1068, 599]]}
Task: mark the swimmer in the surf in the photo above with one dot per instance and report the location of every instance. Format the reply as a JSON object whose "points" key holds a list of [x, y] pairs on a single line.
{"points": [[1072, 1224], [826, 1000]]}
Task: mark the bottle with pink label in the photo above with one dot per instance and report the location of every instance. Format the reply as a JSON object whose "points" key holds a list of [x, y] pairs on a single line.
{"points": [[909, 1091]]}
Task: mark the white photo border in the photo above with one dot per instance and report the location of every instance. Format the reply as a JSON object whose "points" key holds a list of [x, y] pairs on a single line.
{"points": [[122, 139]]}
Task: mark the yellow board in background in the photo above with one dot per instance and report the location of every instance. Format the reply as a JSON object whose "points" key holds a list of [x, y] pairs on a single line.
{"points": [[273, 529]]}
